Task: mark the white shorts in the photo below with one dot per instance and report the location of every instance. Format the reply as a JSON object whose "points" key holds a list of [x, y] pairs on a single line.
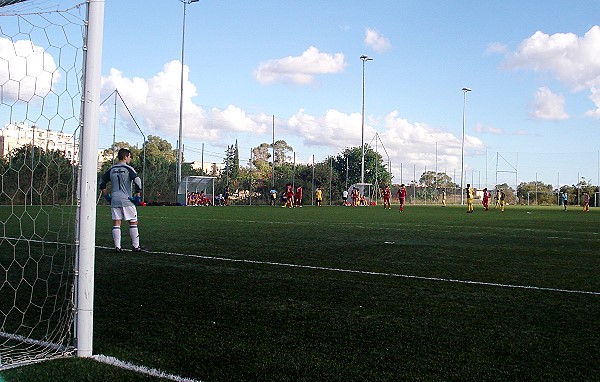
{"points": [[124, 213]]}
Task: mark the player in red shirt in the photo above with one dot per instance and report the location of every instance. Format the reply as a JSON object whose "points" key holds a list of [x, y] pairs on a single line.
{"points": [[486, 199], [402, 197], [299, 196], [289, 202], [354, 196], [386, 198]]}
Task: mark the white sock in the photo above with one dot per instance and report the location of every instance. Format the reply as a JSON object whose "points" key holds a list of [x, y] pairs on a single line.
{"points": [[135, 235], [116, 234]]}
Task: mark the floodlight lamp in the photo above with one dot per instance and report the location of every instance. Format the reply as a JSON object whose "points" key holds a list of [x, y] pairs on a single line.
{"points": [[366, 58], [466, 90]]}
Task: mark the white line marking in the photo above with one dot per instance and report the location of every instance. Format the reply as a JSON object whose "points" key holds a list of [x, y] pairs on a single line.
{"points": [[31, 341], [141, 369], [398, 275], [506, 231]]}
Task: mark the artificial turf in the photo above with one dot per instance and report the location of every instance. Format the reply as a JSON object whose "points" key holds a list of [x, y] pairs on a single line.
{"points": [[348, 294]]}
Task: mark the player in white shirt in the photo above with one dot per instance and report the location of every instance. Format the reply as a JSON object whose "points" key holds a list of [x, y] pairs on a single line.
{"points": [[122, 200]]}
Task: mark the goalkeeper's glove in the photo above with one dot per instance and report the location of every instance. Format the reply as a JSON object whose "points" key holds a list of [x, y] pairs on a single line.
{"points": [[107, 197], [136, 200]]}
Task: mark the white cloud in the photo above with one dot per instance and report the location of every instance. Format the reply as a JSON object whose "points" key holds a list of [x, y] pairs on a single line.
{"points": [[548, 106], [479, 128], [595, 97], [405, 142], [574, 60], [26, 70], [299, 70], [496, 47], [376, 41], [154, 102], [332, 129], [415, 143], [234, 119]]}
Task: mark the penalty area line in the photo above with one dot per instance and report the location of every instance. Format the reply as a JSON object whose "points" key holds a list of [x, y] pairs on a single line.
{"points": [[372, 273], [140, 369], [385, 274]]}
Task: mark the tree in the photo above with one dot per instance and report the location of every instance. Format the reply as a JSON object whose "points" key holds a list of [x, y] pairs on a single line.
{"points": [[235, 167], [32, 175], [231, 163], [583, 186], [529, 192], [436, 180], [282, 149], [375, 169], [509, 192], [158, 147], [261, 153], [262, 171]]}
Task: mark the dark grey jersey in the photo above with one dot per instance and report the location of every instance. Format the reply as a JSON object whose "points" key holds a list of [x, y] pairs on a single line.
{"points": [[122, 178]]}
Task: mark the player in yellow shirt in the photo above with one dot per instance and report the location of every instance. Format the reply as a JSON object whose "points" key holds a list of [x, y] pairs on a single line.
{"points": [[497, 198], [470, 196], [502, 199], [319, 196]]}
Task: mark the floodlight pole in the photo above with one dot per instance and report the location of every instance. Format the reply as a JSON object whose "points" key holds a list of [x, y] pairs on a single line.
{"points": [[180, 140], [362, 138], [462, 148]]}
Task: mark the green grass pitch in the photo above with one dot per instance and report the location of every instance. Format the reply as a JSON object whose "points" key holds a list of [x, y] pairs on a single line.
{"points": [[347, 294]]}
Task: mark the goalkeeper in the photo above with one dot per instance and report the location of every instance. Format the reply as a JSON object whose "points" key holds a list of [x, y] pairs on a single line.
{"points": [[121, 177]]}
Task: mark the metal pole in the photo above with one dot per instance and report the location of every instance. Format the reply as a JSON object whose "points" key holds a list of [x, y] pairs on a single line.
{"points": [[454, 186], [486, 171], [536, 189], [436, 166], [330, 178], [250, 185], [462, 147], [362, 139], [414, 183], [294, 172], [401, 173], [424, 184], [346, 172], [558, 188], [180, 141], [273, 170], [86, 217], [313, 181], [114, 128], [496, 179], [376, 167]]}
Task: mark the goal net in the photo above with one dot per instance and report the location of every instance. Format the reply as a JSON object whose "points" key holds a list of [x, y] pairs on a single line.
{"points": [[41, 61], [192, 186], [365, 193]]}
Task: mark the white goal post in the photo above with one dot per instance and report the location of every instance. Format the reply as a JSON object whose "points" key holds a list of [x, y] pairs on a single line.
{"points": [[88, 187], [50, 68]]}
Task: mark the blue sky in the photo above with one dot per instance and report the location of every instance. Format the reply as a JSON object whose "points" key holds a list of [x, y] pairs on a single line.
{"points": [[533, 67]]}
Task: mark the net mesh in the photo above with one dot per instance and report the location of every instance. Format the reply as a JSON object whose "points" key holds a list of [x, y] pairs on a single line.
{"points": [[41, 61]]}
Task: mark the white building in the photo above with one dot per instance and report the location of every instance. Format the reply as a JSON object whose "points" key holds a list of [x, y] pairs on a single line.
{"points": [[15, 135], [213, 168]]}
